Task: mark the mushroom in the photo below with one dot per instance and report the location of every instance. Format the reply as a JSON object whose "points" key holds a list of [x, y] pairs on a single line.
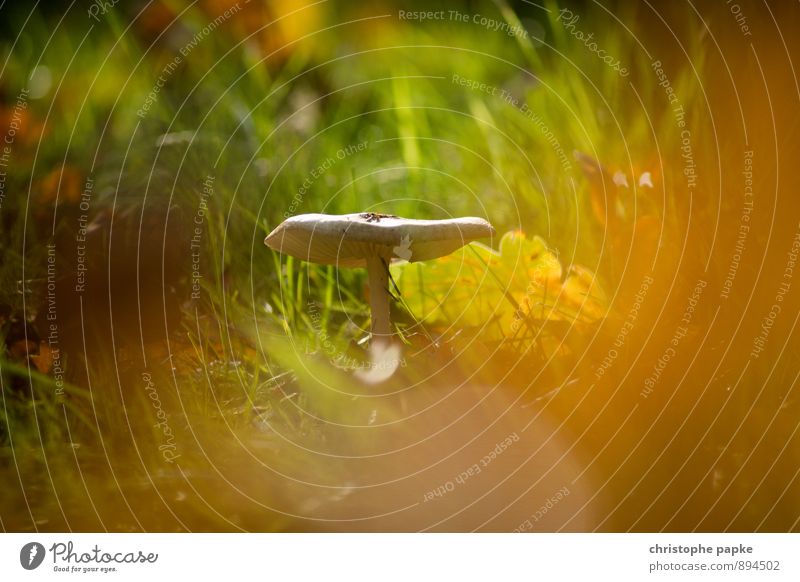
{"points": [[372, 240]]}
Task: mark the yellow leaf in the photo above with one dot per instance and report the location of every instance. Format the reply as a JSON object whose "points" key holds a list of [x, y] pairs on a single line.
{"points": [[504, 294]]}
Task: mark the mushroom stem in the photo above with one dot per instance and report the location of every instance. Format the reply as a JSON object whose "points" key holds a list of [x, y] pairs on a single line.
{"points": [[379, 301]]}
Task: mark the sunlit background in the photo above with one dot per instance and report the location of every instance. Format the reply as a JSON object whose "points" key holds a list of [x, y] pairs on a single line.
{"points": [[621, 356]]}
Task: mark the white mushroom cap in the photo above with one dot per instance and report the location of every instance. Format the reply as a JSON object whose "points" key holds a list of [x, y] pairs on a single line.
{"points": [[349, 240]]}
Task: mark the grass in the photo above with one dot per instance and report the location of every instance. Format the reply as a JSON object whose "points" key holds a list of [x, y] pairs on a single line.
{"points": [[253, 387]]}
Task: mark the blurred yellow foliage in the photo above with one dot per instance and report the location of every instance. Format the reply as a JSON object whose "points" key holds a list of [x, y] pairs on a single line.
{"points": [[501, 292]]}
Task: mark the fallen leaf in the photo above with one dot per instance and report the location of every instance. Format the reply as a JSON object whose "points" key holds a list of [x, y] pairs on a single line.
{"points": [[44, 359], [505, 293]]}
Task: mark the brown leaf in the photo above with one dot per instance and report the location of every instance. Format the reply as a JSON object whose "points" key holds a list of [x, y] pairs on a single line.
{"points": [[63, 184], [44, 360]]}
